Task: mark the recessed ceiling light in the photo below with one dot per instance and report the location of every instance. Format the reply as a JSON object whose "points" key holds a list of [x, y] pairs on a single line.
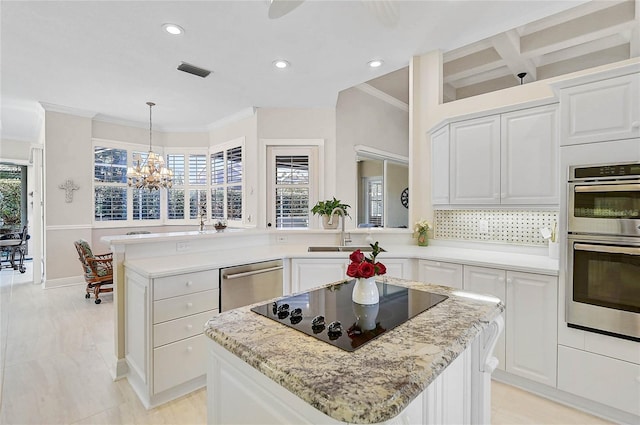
{"points": [[173, 29], [376, 63], [281, 64]]}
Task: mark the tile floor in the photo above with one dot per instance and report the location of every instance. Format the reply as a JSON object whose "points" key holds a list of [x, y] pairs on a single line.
{"points": [[53, 346]]}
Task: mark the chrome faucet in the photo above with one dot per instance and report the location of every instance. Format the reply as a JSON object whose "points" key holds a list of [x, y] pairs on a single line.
{"points": [[344, 240]]}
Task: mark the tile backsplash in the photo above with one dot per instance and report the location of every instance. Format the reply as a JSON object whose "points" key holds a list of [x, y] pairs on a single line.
{"points": [[513, 226]]}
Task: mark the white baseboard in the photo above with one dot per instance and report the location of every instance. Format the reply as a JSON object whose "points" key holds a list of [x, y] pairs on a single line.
{"points": [[63, 281], [589, 406]]}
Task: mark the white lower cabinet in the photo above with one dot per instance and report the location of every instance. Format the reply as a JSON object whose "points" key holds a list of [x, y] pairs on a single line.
{"points": [[532, 331], [165, 343], [528, 347], [308, 273], [440, 273], [612, 382], [483, 280]]}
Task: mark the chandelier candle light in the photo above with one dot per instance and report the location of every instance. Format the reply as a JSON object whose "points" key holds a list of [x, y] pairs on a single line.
{"points": [[151, 174], [365, 269]]}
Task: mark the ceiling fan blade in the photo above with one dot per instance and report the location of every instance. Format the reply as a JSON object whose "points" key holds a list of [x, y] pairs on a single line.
{"points": [[279, 8], [385, 11]]}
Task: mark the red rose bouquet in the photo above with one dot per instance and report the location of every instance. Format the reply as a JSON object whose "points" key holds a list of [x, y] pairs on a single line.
{"points": [[366, 267]]}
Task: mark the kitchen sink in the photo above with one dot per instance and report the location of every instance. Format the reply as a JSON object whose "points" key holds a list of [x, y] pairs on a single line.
{"points": [[340, 248]]}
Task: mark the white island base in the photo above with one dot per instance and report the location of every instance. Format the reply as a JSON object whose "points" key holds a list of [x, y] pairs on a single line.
{"points": [[239, 394]]}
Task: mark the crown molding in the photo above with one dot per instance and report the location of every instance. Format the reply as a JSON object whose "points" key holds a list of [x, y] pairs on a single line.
{"points": [[379, 94], [50, 107], [241, 114]]}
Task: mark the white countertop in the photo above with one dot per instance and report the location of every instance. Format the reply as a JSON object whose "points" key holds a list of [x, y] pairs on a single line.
{"points": [[186, 263]]}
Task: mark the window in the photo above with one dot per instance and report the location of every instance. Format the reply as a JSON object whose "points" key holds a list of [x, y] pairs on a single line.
{"points": [[292, 186], [110, 184], [175, 195], [13, 191], [198, 184], [375, 204], [146, 204], [226, 184]]}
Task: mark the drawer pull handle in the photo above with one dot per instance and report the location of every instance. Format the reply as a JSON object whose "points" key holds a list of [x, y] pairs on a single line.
{"points": [[189, 305], [189, 349], [189, 283], [635, 124], [501, 279], [509, 280], [189, 327]]}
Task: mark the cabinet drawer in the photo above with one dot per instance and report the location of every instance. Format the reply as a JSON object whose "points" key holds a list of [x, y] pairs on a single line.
{"points": [[183, 284], [185, 327], [185, 305], [179, 362], [608, 381]]}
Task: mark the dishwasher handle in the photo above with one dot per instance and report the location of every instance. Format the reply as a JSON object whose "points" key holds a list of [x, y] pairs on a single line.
{"points": [[251, 273]]}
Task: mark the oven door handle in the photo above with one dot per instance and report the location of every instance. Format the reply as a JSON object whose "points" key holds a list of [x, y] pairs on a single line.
{"points": [[608, 188], [607, 248]]}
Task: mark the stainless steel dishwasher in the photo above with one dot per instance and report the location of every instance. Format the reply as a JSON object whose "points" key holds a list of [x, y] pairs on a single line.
{"points": [[250, 283]]}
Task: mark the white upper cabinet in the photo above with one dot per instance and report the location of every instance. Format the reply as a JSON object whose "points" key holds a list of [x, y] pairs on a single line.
{"points": [[440, 166], [507, 159], [529, 159], [475, 161], [601, 110]]}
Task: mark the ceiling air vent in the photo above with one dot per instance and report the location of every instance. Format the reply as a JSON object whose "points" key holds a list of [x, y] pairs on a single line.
{"points": [[192, 69]]}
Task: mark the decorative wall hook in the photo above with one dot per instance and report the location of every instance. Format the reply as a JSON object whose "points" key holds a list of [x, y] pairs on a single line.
{"points": [[69, 186]]}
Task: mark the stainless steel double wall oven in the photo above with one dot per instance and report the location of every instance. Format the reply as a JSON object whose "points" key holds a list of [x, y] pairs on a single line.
{"points": [[603, 291]]}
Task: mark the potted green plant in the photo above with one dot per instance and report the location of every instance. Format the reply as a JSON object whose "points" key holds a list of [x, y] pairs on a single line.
{"points": [[326, 208]]}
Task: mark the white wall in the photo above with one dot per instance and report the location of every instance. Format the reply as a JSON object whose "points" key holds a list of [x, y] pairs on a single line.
{"points": [[362, 119]]}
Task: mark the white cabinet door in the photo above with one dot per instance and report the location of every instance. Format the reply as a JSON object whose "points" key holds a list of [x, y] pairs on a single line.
{"points": [[398, 267], [475, 161], [312, 272], [600, 111], [531, 333], [438, 273], [529, 157], [487, 281], [440, 166]]}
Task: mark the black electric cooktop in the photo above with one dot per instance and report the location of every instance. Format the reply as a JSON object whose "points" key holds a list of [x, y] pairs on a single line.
{"points": [[330, 315]]}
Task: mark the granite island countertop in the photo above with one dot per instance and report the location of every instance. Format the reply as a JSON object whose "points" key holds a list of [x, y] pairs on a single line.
{"points": [[374, 383]]}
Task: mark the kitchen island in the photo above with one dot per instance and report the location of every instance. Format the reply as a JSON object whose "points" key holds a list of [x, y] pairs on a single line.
{"points": [[433, 368]]}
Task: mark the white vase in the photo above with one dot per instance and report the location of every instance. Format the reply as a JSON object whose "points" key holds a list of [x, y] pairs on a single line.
{"points": [[365, 291], [366, 315]]}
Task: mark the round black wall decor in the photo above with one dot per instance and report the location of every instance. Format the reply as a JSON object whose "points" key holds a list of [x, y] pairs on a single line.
{"points": [[404, 198]]}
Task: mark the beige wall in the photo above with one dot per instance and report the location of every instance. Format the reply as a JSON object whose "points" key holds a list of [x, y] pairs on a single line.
{"points": [[67, 156], [362, 119], [14, 150], [397, 179]]}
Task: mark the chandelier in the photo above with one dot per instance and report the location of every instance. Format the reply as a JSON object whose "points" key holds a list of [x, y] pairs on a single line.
{"points": [[151, 173]]}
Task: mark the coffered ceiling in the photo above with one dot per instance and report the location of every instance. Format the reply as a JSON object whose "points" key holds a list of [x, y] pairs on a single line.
{"points": [[589, 35]]}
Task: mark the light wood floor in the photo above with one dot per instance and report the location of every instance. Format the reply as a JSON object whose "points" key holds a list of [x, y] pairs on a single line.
{"points": [[53, 346]]}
